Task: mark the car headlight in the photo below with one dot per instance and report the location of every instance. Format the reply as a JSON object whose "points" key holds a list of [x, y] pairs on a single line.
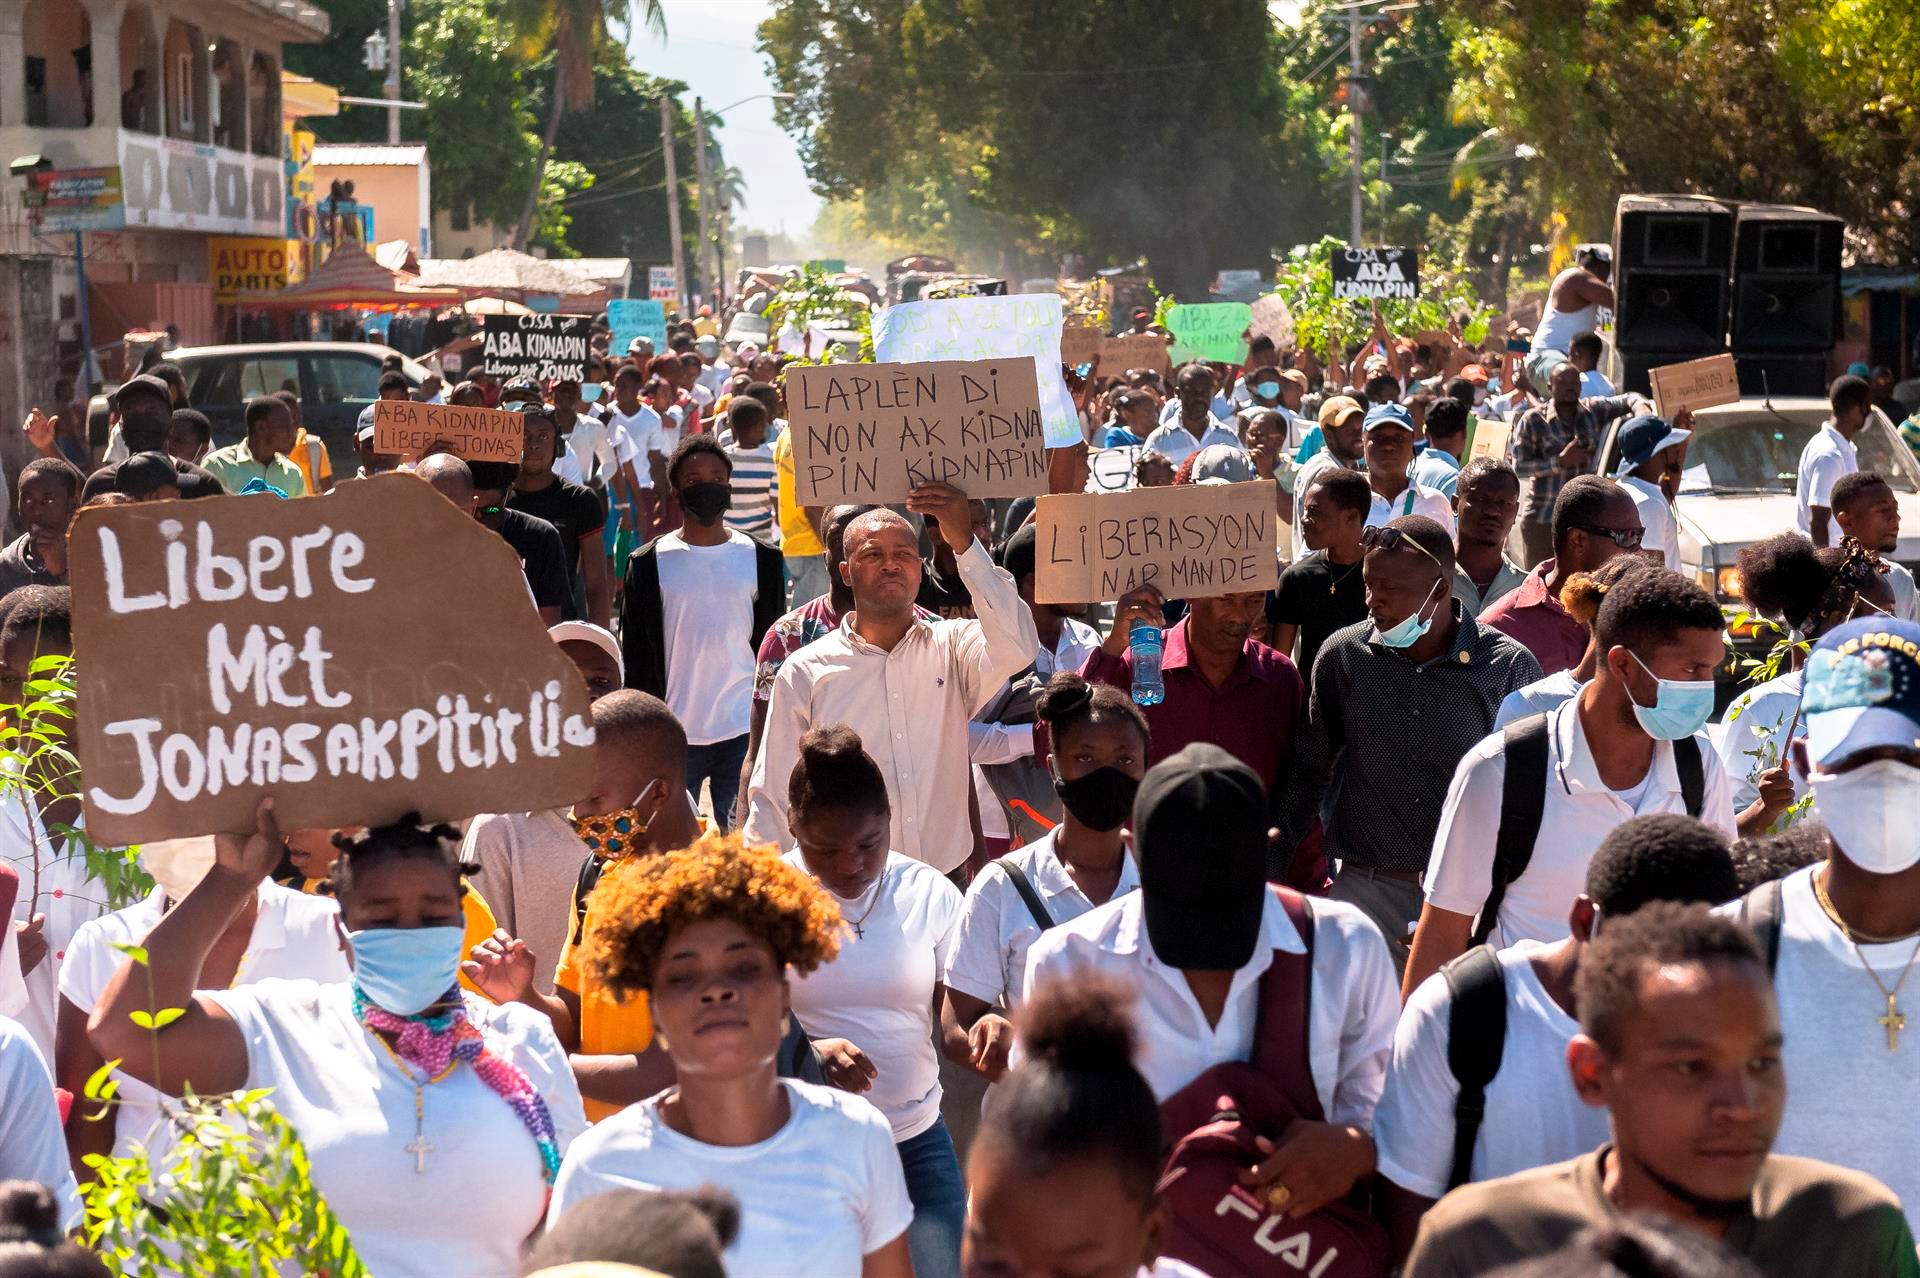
{"points": [[1723, 583]]}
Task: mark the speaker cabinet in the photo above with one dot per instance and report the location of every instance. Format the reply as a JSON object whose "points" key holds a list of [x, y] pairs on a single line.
{"points": [[1672, 257], [1786, 293]]}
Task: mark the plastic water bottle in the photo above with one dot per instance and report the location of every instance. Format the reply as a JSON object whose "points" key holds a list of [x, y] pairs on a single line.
{"points": [[1145, 642]]}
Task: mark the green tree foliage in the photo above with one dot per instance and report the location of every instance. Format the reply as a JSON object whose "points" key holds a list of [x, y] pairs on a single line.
{"points": [[1109, 126], [617, 139], [479, 122], [1801, 101], [1327, 325]]}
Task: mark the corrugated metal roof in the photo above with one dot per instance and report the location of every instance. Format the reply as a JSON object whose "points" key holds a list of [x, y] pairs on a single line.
{"points": [[404, 155]]}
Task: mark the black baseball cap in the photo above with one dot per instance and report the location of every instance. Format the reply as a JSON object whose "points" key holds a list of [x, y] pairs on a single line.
{"points": [[1200, 837], [144, 473], [146, 382]]}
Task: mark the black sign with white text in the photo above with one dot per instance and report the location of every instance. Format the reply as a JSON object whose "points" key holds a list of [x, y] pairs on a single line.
{"points": [[1378, 273], [538, 346]]}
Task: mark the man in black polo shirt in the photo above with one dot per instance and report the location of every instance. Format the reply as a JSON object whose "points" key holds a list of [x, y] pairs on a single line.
{"points": [[572, 509], [481, 489]]}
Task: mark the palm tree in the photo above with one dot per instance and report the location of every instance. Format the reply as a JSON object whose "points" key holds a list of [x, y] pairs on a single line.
{"points": [[575, 32]]}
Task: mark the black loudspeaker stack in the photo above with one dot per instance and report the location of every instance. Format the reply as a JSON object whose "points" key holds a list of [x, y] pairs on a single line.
{"points": [[1691, 272]]}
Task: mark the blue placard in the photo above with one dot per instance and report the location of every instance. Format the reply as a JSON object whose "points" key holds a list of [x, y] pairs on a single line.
{"points": [[632, 317]]}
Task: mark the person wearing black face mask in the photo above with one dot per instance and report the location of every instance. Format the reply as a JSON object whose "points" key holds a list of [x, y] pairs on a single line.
{"points": [[698, 602], [1099, 753]]}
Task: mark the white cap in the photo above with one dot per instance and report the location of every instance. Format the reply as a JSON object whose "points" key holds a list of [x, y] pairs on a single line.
{"points": [[586, 632]]}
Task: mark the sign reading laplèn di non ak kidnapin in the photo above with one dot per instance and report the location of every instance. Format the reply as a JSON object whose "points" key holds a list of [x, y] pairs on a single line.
{"points": [[875, 432], [355, 658]]}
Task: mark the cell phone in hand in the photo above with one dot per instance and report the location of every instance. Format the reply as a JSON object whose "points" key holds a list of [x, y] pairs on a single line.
{"points": [[1519, 346]]}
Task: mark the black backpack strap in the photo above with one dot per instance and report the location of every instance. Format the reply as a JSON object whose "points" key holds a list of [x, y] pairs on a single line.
{"points": [[583, 888], [1762, 911], [1523, 802], [1476, 1040], [1028, 893], [1693, 774]]}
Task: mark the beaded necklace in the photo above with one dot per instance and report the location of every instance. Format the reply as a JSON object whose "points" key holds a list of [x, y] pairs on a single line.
{"points": [[435, 1043]]}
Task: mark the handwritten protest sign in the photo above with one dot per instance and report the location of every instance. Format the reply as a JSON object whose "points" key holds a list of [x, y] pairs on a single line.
{"points": [[402, 428], [1215, 331], [1192, 542], [537, 346], [970, 328], [1079, 344], [1272, 320], [874, 432], [1134, 350], [1110, 470], [631, 317], [356, 658], [1487, 437], [1698, 383], [1376, 273]]}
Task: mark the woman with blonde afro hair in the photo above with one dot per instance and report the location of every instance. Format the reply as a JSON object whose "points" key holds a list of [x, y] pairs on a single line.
{"points": [[1580, 596], [712, 934]]}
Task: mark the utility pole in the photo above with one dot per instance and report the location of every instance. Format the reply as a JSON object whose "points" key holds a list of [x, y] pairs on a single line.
{"points": [[673, 202], [391, 88], [1359, 86], [1386, 186], [707, 273]]}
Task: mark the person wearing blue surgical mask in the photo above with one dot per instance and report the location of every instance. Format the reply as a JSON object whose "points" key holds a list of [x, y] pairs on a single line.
{"points": [[1628, 744], [435, 1120]]}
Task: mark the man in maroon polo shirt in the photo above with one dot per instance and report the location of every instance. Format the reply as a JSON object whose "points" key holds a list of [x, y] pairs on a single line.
{"points": [[1594, 519], [1223, 686]]}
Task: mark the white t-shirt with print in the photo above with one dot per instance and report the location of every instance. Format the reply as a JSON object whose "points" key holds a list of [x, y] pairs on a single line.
{"points": [[989, 959], [1849, 1097], [706, 611], [482, 1193], [293, 939], [815, 1197], [1533, 1115], [878, 993]]}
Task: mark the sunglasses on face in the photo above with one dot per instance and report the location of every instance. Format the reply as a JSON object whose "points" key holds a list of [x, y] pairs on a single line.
{"points": [[1380, 538], [1625, 538]]}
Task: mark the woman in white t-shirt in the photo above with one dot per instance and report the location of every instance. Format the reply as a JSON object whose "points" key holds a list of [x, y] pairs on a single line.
{"points": [[1580, 596], [278, 935], [871, 1012], [434, 1121], [1098, 740], [1064, 1171], [710, 934]]}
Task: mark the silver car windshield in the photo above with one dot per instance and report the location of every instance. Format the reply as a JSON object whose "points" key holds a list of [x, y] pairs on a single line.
{"points": [[1758, 451]]}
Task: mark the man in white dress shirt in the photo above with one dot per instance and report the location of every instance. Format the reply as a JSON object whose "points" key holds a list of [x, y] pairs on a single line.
{"points": [[908, 686], [1197, 422]]}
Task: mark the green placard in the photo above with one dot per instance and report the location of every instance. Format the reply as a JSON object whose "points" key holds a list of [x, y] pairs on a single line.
{"points": [[1214, 331], [831, 265]]}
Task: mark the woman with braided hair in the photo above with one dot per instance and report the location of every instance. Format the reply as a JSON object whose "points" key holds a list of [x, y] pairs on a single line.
{"points": [[1808, 592], [434, 1120]]}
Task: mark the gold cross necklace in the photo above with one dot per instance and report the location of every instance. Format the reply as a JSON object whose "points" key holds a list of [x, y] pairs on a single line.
{"points": [[1894, 1021]]}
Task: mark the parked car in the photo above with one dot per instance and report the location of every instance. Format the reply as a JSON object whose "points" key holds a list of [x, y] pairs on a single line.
{"points": [[335, 381], [1738, 488]]}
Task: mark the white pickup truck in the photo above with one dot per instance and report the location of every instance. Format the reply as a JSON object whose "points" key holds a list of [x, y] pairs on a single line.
{"points": [[1738, 486]]}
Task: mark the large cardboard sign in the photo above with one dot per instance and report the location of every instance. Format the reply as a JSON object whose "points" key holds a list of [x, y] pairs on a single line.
{"points": [[1213, 331], [1193, 541], [402, 428], [1488, 437], [1272, 319], [1379, 273], [1698, 383], [971, 328], [875, 432], [1080, 344], [356, 658], [538, 346], [1135, 350]]}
